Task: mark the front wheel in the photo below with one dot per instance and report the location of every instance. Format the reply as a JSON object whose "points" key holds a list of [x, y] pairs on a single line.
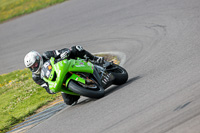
{"points": [[76, 87]]}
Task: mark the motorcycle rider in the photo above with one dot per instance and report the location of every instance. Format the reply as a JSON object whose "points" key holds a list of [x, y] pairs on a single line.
{"points": [[34, 61]]}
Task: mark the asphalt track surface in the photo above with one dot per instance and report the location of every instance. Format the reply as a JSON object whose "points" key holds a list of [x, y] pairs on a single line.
{"points": [[160, 39]]}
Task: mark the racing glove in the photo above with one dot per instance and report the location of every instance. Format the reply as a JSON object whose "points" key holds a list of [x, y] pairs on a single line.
{"points": [[99, 60], [64, 54]]}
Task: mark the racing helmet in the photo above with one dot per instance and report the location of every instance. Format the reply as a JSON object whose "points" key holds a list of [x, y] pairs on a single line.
{"points": [[33, 60]]}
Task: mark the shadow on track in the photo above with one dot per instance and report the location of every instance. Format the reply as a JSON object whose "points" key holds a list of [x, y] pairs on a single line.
{"points": [[117, 87], [87, 100], [110, 90]]}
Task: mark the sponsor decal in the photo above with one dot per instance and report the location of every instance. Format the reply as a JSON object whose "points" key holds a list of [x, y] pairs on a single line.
{"points": [[49, 67], [47, 74], [55, 85], [103, 82], [59, 73], [46, 64], [105, 78], [79, 65], [61, 64], [42, 74]]}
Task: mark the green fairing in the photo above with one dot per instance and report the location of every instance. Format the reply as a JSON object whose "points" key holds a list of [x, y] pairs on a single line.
{"points": [[61, 68]]}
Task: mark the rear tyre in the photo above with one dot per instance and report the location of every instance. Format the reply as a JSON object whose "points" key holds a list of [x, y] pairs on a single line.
{"points": [[120, 74], [77, 88]]}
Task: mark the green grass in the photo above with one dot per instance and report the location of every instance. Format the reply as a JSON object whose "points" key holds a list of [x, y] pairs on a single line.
{"points": [[20, 97], [12, 8]]}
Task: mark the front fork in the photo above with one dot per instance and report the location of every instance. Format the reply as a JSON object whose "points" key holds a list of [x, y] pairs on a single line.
{"points": [[74, 77]]}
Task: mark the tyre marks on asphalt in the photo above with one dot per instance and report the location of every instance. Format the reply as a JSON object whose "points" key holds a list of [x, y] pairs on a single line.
{"points": [[38, 118]]}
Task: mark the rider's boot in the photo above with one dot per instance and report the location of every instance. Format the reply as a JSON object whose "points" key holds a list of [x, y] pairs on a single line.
{"points": [[94, 59]]}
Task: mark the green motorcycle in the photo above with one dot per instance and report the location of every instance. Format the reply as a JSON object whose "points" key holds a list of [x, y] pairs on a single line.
{"points": [[81, 77]]}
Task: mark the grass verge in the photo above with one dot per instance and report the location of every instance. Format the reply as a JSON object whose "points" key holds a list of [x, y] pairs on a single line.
{"points": [[21, 97], [13, 8]]}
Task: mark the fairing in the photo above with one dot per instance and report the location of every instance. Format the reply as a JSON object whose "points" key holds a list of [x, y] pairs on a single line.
{"points": [[60, 70]]}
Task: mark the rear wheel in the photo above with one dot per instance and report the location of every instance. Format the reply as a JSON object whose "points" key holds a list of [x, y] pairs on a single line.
{"points": [[93, 90], [120, 74]]}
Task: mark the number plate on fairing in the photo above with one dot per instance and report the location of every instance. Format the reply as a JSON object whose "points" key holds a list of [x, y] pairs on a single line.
{"points": [[46, 70]]}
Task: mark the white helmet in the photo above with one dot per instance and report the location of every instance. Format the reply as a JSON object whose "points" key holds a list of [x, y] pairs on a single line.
{"points": [[33, 60]]}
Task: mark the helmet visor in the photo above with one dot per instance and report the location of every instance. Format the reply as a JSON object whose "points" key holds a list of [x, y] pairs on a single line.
{"points": [[35, 66]]}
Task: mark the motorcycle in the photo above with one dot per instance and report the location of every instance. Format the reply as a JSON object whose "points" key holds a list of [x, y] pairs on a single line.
{"points": [[81, 77]]}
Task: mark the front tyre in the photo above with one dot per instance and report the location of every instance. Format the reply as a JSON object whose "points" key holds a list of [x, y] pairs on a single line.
{"points": [[77, 88]]}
